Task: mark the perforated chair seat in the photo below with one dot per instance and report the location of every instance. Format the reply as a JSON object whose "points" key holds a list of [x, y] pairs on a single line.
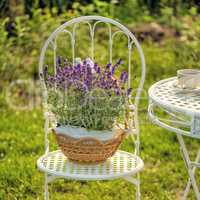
{"points": [[120, 165]]}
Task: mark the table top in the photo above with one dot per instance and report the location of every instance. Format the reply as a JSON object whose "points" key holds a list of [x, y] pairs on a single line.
{"points": [[165, 94]]}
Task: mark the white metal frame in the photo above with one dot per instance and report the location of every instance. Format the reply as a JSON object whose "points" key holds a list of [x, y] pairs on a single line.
{"points": [[177, 124], [134, 124]]}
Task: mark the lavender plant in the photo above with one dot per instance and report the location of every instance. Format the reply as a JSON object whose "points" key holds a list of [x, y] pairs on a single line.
{"points": [[86, 95]]}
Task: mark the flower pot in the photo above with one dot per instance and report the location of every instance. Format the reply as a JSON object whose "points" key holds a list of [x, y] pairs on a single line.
{"points": [[81, 145]]}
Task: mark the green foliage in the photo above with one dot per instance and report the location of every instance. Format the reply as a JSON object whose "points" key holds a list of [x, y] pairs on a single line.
{"points": [[94, 110], [94, 8]]}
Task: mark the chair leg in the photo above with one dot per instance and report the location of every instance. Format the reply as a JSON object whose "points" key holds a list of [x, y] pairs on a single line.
{"points": [[138, 193], [136, 183], [46, 192]]}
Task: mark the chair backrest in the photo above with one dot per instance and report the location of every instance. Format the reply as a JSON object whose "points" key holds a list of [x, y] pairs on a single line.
{"points": [[93, 22]]}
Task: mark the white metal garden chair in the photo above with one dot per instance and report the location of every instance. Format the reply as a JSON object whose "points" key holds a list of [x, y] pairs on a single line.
{"points": [[123, 164]]}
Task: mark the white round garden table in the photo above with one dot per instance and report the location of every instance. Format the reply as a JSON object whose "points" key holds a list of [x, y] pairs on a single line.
{"points": [[178, 111]]}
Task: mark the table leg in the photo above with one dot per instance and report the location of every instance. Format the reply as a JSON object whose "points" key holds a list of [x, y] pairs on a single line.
{"points": [[187, 189], [188, 165]]}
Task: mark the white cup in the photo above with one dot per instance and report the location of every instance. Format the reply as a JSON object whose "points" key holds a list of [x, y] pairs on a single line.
{"points": [[189, 78]]}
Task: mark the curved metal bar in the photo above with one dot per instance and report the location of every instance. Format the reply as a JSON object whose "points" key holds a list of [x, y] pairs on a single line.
{"points": [[54, 54], [117, 32], [53, 44], [129, 53], [110, 37], [158, 121], [91, 35], [72, 43], [136, 120], [176, 120], [46, 131], [129, 61], [181, 120]]}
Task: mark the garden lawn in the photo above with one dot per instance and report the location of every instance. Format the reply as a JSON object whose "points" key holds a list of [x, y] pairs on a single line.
{"points": [[22, 142]]}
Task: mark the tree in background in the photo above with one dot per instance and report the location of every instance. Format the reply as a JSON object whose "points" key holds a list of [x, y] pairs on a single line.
{"points": [[154, 6], [28, 6], [10, 9], [42, 4]]}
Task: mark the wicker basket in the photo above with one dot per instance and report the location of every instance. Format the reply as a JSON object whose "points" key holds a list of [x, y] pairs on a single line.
{"points": [[89, 149]]}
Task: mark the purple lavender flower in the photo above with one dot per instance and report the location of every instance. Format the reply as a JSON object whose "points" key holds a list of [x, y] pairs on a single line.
{"points": [[88, 61], [89, 69], [117, 91], [128, 91], [108, 66], [124, 76], [58, 61], [115, 66], [87, 75], [109, 75], [98, 70]]}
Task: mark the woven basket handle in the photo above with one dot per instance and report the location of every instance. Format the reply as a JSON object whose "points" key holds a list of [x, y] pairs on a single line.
{"points": [[88, 141]]}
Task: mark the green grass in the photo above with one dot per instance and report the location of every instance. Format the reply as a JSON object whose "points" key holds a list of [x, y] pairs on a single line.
{"points": [[22, 142]]}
